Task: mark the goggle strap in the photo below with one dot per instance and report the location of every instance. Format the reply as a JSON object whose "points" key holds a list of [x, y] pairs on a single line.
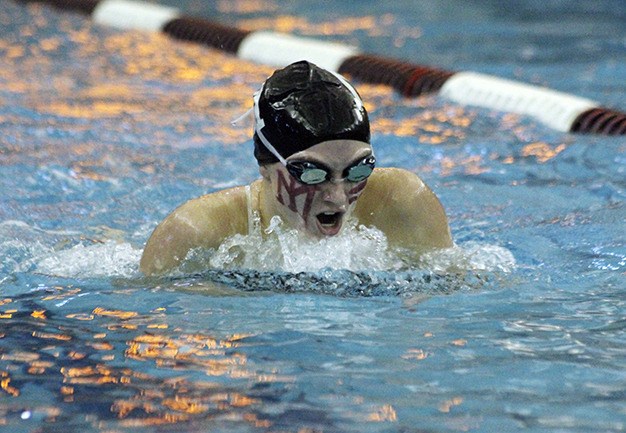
{"points": [[248, 112], [357, 98], [260, 124]]}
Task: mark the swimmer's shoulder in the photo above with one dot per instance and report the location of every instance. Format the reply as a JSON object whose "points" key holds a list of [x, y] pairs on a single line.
{"points": [[204, 222], [231, 202], [389, 185], [399, 203], [386, 177]]}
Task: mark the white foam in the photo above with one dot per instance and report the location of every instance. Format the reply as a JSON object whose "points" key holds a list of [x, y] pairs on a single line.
{"points": [[22, 244], [63, 253], [281, 249], [356, 248], [108, 259], [29, 249], [471, 256]]}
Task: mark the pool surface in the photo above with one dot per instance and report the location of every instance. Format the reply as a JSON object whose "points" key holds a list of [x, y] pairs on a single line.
{"points": [[521, 327]]}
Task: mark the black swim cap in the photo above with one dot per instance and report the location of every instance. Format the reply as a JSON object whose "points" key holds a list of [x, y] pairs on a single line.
{"points": [[303, 105]]}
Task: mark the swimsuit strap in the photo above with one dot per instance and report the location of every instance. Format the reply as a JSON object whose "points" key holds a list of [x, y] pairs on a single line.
{"points": [[250, 209]]}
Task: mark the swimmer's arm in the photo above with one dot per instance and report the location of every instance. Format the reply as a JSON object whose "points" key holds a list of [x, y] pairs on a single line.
{"points": [[202, 222], [403, 207]]}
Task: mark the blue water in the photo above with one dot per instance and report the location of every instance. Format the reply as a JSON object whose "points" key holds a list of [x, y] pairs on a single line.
{"points": [[103, 133]]}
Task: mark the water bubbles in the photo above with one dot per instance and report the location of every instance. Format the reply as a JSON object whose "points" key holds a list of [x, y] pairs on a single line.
{"points": [[470, 256], [357, 262], [284, 249], [106, 259], [356, 248]]}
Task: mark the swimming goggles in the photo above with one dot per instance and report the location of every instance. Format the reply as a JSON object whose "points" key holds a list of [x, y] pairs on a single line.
{"points": [[311, 173]]}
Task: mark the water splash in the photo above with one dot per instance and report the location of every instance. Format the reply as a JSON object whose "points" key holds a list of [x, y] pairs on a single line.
{"points": [[471, 256], [288, 250], [358, 262], [63, 253], [356, 248], [106, 259]]}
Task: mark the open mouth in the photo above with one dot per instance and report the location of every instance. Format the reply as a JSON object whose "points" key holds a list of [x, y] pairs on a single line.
{"points": [[330, 222]]}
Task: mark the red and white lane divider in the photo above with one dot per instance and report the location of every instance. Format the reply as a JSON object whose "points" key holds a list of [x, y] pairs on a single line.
{"points": [[561, 111]]}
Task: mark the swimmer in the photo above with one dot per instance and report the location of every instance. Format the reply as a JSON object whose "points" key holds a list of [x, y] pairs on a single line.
{"points": [[312, 144]]}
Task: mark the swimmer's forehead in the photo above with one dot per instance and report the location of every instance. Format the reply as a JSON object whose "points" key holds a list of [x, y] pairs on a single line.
{"points": [[334, 152]]}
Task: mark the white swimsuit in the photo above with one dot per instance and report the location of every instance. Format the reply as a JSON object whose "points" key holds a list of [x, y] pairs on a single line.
{"points": [[252, 214]]}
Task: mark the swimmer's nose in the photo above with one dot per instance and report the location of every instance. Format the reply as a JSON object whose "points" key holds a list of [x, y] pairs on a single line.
{"points": [[335, 193]]}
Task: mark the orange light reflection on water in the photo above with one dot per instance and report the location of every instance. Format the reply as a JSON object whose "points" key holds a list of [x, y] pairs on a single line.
{"points": [[373, 26], [173, 400], [5, 384], [246, 6], [142, 82], [542, 151]]}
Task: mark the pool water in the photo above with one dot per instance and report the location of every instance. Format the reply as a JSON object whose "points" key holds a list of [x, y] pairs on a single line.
{"points": [[521, 327]]}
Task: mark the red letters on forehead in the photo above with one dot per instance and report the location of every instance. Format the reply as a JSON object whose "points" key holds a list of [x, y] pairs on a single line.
{"points": [[295, 189]]}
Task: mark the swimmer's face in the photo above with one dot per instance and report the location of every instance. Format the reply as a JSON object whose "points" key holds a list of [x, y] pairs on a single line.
{"points": [[318, 210]]}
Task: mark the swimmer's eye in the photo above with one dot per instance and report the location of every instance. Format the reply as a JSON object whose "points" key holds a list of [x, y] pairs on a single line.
{"points": [[360, 171], [309, 173]]}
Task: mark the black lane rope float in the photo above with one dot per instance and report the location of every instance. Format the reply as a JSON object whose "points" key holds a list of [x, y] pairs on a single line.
{"points": [[561, 111]]}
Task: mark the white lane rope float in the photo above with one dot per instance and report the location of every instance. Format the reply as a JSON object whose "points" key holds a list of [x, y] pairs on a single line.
{"points": [[560, 111]]}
